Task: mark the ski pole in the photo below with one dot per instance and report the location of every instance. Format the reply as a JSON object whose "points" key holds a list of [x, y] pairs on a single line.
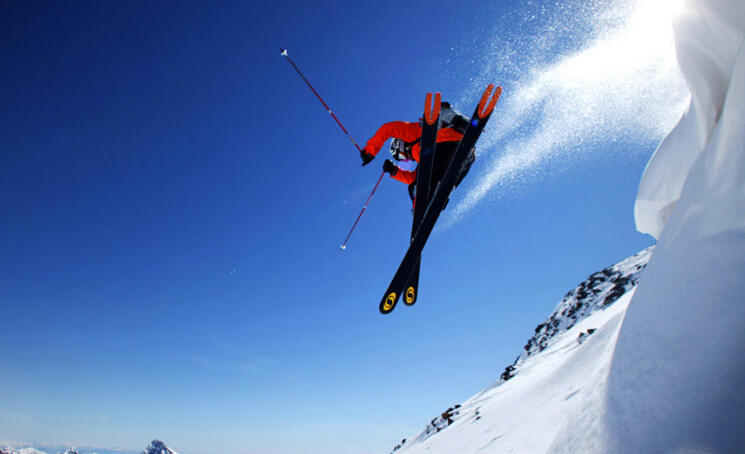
{"points": [[344, 246], [284, 54]]}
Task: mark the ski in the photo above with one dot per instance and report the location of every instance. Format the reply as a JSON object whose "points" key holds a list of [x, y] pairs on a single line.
{"points": [[438, 200], [430, 125]]}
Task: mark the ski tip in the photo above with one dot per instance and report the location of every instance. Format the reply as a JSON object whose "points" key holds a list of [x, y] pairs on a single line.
{"points": [[410, 298], [388, 303], [486, 109], [431, 115]]}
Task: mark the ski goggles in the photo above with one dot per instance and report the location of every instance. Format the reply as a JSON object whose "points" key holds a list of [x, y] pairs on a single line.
{"points": [[400, 150]]}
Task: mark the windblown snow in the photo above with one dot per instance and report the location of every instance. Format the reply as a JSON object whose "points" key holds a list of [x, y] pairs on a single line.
{"points": [[661, 369], [623, 83]]}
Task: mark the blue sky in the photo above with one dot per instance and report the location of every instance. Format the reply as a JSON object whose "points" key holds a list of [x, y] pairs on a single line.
{"points": [[174, 198]]}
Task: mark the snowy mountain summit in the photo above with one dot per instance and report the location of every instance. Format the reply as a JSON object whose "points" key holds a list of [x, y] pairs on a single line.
{"points": [[565, 359], [599, 291], [158, 447]]}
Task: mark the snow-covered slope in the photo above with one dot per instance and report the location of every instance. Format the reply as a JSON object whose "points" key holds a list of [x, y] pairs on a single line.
{"points": [[567, 358], [598, 292]]}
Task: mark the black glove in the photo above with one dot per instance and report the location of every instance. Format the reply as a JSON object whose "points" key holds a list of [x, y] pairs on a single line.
{"points": [[390, 167], [366, 157]]}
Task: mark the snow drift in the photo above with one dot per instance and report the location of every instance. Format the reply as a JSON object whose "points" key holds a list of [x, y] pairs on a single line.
{"points": [[708, 36], [676, 384]]}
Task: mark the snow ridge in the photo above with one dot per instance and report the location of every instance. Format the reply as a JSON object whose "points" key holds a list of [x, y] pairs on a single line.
{"points": [[599, 292]]}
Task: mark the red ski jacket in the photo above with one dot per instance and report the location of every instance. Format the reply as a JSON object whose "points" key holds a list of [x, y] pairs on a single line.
{"points": [[408, 132]]}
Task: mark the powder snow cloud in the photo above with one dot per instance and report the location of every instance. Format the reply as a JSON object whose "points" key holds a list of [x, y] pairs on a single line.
{"points": [[620, 85]]}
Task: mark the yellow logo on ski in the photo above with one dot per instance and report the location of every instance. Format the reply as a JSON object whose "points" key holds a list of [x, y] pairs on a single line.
{"points": [[410, 295], [390, 302]]}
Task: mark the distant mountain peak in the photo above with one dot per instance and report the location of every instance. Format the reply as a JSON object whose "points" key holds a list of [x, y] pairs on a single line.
{"points": [[158, 447]]}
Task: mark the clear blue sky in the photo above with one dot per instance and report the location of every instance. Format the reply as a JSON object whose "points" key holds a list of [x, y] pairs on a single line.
{"points": [[174, 198]]}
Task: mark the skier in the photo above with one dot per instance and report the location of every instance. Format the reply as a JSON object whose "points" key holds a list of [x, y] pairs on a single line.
{"points": [[450, 149], [405, 147]]}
